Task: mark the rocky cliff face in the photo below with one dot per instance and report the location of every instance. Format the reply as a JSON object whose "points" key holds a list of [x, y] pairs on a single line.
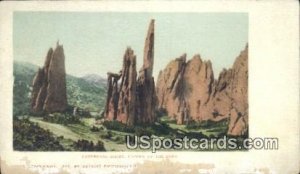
{"points": [[186, 86], [239, 95], [170, 87], [49, 84], [132, 100], [187, 90]]}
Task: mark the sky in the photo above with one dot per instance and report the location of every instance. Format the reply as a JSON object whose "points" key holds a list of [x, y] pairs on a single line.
{"points": [[95, 42]]}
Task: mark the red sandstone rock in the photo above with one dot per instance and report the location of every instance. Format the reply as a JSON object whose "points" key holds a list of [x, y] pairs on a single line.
{"points": [[127, 93], [170, 86], [193, 83], [239, 93], [121, 97], [190, 82], [146, 96], [133, 101], [49, 85]]}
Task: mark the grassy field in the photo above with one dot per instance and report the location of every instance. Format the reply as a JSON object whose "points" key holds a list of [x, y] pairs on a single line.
{"points": [[214, 130], [76, 132]]}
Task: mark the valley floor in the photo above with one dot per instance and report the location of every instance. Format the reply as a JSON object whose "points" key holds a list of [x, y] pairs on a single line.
{"points": [[114, 140], [75, 132]]}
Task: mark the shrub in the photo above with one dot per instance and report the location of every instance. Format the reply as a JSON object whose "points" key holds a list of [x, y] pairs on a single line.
{"points": [[206, 124], [118, 126], [139, 130], [95, 129], [119, 139], [62, 118], [99, 146], [85, 145], [107, 135], [28, 136], [79, 112], [161, 128]]}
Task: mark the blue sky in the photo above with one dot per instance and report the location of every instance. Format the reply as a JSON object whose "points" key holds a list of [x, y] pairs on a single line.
{"points": [[94, 43]]}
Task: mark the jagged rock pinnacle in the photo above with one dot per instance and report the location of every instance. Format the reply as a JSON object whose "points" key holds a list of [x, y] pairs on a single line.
{"points": [[49, 84]]}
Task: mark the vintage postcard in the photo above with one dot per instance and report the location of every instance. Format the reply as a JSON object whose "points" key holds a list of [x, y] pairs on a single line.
{"points": [[149, 87]]}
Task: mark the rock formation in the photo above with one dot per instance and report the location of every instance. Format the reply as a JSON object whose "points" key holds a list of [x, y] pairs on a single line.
{"points": [[170, 87], [186, 82], [146, 95], [132, 100], [49, 84], [121, 98], [189, 88], [239, 94]]}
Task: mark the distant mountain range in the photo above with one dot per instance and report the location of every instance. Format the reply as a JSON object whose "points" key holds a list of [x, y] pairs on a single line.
{"points": [[88, 92], [95, 79]]}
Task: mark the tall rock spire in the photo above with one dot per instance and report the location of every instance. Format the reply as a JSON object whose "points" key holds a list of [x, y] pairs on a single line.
{"points": [[49, 92], [149, 51], [145, 85], [57, 93], [127, 95]]}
